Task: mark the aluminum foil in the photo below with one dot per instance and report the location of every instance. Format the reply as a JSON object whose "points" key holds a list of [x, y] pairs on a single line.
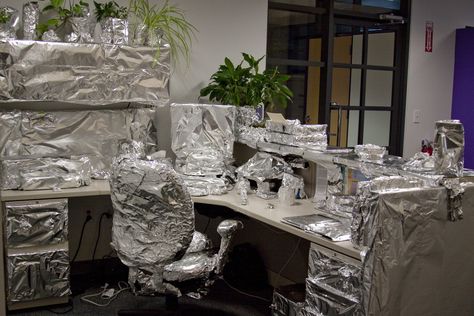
{"points": [[283, 306], [455, 193], [45, 173], [202, 162], [247, 116], [263, 166], [8, 30], [311, 141], [250, 136], [406, 254], [335, 274], [148, 280], [10, 133], [202, 127], [449, 148], [226, 229], [114, 31], [31, 13], [200, 242], [191, 266], [33, 223], [62, 134], [264, 191], [328, 303], [340, 205], [153, 213], [370, 152], [89, 74], [420, 162], [201, 186], [286, 196], [51, 36], [81, 30], [39, 275], [243, 187], [319, 224]]}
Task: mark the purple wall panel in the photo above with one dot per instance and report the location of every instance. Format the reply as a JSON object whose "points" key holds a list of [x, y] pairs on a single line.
{"points": [[463, 89]]}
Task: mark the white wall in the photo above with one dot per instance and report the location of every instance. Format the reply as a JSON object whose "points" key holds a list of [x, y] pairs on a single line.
{"points": [[430, 75]]}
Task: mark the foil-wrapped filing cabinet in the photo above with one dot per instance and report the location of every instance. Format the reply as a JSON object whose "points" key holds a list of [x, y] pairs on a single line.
{"points": [[37, 252]]}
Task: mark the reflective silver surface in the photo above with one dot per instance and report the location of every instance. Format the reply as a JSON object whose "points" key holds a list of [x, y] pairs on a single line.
{"points": [[89, 74], [37, 275], [455, 193], [114, 31], [33, 223], [250, 136], [448, 148], [31, 13], [370, 152], [263, 166], [312, 141], [95, 134], [81, 30], [319, 224], [51, 36], [243, 188], [226, 229], [45, 173], [191, 266], [283, 306], [8, 29], [200, 242], [201, 186]]}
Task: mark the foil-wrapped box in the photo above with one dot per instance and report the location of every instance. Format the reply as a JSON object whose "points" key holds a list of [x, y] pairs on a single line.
{"points": [[114, 31], [37, 275], [31, 14], [63, 134], [45, 173], [88, 74], [449, 148], [34, 223], [201, 186]]}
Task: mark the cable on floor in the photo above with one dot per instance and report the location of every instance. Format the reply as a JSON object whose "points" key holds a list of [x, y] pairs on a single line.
{"points": [[88, 218], [106, 294], [244, 293]]}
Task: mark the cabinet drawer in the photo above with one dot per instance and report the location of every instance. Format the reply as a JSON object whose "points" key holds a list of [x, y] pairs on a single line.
{"points": [[38, 275], [36, 222]]}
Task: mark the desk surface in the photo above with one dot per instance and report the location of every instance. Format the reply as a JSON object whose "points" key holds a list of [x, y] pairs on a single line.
{"points": [[256, 208]]}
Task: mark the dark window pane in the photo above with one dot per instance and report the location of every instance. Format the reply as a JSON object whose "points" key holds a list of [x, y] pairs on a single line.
{"points": [[310, 3]]}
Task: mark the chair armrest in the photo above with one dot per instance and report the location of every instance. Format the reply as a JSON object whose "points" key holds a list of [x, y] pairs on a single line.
{"points": [[226, 230]]}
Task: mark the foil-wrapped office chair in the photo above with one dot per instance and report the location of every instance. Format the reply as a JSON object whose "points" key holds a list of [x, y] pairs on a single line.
{"points": [[153, 229]]}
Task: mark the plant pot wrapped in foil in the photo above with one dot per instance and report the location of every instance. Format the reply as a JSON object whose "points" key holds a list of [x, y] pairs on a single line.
{"points": [[449, 148], [9, 28], [114, 31], [50, 36], [31, 13], [139, 34], [81, 30]]}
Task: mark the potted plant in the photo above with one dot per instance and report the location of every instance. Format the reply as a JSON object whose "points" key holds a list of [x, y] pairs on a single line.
{"points": [[168, 22], [76, 15], [113, 22], [8, 23], [247, 88]]}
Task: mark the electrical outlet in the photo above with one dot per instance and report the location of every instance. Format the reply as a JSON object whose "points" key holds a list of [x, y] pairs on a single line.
{"points": [[416, 116]]}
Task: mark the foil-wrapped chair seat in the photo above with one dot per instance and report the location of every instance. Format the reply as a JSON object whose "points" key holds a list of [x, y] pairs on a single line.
{"points": [[153, 231]]}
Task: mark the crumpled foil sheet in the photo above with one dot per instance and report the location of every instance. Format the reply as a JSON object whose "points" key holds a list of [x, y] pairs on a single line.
{"points": [[420, 162], [202, 162], [264, 191], [201, 186], [292, 187], [8, 30], [250, 136], [81, 30], [243, 188], [327, 303], [33, 223], [295, 127], [63, 134], [31, 14], [153, 221], [226, 229], [45, 173], [340, 205], [191, 266], [449, 148], [335, 274], [49, 36], [89, 74], [370, 152], [319, 224], [200, 242], [246, 116], [455, 193], [38, 275], [283, 306], [405, 243], [203, 130], [308, 141], [264, 166], [114, 31]]}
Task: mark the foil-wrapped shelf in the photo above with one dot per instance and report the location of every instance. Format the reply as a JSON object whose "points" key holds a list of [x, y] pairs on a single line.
{"points": [[86, 74]]}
